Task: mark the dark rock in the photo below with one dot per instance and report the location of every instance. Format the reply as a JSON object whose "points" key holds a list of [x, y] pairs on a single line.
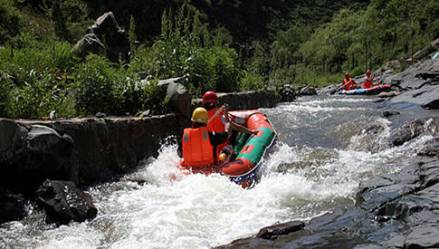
{"points": [[89, 44], [272, 232], [425, 236], [35, 155], [288, 93], [427, 97], [12, 206], [407, 132], [12, 139], [100, 115], [431, 150], [105, 34], [387, 114], [64, 202], [429, 174], [177, 96], [307, 91]]}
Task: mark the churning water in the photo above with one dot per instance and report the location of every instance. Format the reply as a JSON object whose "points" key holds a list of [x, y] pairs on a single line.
{"points": [[325, 147]]}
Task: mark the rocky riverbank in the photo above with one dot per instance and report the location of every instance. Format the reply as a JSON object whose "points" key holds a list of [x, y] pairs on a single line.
{"points": [[398, 210]]}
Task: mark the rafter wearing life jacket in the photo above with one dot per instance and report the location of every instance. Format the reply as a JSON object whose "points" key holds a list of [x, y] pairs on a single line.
{"points": [[210, 102], [348, 82], [368, 80], [198, 151]]}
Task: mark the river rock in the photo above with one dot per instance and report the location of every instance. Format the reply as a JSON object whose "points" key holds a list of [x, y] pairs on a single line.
{"points": [[274, 231], [12, 206], [287, 93], [64, 202], [387, 114], [307, 91], [425, 236], [407, 132], [12, 139]]}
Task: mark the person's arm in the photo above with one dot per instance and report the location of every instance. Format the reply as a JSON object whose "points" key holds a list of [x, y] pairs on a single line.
{"points": [[242, 129], [218, 112], [235, 126]]}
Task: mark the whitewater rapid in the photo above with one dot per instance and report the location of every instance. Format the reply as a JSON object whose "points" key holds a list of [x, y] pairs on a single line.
{"points": [[317, 164]]}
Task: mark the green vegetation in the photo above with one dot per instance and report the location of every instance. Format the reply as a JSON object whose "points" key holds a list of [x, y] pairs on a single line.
{"points": [[355, 40], [256, 44]]}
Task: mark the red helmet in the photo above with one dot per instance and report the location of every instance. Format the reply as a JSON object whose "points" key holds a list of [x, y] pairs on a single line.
{"points": [[210, 97]]}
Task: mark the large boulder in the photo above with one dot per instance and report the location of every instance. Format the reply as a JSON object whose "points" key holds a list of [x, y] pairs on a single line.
{"points": [[12, 206], [90, 43], [177, 96], [64, 202], [307, 91], [32, 154], [105, 34], [12, 139], [287, 93]]}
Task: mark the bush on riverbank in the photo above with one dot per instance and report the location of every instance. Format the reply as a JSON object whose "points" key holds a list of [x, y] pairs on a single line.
{"points": [[39, 74]]}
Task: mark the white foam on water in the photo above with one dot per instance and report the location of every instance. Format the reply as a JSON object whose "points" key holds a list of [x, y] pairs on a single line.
{"points": [[199, 211]]}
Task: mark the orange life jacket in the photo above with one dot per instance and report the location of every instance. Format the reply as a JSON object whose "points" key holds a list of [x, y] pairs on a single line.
{"points": [[217, 124], [348, 83], [197, 150]]}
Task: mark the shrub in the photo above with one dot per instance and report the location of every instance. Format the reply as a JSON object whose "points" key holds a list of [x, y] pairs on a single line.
{"points": [[251, 81], [38, 98], [213, 68], [99, 87]]}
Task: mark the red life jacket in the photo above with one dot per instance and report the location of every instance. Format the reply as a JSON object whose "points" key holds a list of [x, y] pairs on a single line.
{"points": [[197, 150], [217, 124], [367, 83], [348, 84]]}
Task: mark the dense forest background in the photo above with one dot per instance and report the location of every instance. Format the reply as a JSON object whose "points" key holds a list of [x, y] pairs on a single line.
{"points": [[222, 45]]}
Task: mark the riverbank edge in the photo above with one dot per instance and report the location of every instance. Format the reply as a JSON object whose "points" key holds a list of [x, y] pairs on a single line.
{"points": [[395, 210], [92, 150]]}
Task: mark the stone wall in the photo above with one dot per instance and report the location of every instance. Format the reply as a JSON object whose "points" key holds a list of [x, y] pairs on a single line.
{"points": [[91, 150]]}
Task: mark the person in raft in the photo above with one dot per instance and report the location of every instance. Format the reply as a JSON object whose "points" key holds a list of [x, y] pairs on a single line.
{"points": [[368, 80], [348, 82], [217, 120], [199, 144]]}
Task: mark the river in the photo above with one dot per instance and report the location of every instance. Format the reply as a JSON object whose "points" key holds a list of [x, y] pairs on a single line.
{"points": [[325, 147]]}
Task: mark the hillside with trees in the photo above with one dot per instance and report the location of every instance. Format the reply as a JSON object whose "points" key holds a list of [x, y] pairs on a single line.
{"points": [[222, 45]]}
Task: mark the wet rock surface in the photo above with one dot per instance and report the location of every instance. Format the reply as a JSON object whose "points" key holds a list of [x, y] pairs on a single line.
{"points": [[419, 83], [399, 210], [12, 206], [64, 202]]}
